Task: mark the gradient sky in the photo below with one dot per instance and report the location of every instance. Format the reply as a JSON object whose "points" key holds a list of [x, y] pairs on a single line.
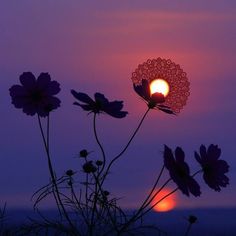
{"points": [[94, 46]]}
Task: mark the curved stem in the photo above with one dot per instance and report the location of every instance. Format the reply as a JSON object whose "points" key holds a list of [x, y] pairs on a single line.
{"points": [[137, 215], [127, 145], [151, 192], [197, 172], [167, 195], [57, 196], [159, 190], [99, 144]]}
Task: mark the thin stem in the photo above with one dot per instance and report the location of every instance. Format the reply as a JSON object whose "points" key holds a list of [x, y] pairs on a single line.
{"points": [[197, 172], [188, 229], [78, 203], [94, 207], [107, 207], [48, 128], [57, 196], [167, 195], [137, 215], [99, 144], [127, 145], [151, 192], [47, 144], [159, 190]]}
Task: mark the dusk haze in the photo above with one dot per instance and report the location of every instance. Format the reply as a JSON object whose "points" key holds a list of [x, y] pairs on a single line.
{"points": [[149, 84]]}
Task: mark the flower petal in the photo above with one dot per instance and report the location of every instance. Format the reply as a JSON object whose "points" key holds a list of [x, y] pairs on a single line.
{"points": [[203, 152], [143, 90], [103, 101], [168, 158], [179, 154], [114, 109], [28, 80], [194, 187], [213, 152], [198, 157], [83, 97]]}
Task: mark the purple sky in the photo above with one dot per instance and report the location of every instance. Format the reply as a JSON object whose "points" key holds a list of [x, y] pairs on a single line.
{"points": [[94, 46]]}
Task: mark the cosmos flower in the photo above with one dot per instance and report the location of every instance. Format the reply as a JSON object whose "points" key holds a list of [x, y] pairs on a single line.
{"points": [[169, 73], [179, 171], [213, 169], [35, 96], [100, 105], [153, 100]]}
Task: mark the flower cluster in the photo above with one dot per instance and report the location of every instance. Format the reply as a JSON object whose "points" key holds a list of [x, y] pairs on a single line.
{"points": [[94, 204], [213, 169]]}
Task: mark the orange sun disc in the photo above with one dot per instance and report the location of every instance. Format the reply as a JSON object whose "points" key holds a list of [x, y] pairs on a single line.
{"points": [[167, 204], [159, 86]]}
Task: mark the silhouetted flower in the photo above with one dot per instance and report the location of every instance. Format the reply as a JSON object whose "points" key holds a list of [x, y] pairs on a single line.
{"points": [[100, 105], [153, 100], [35, 96], [165, 70], [213, 169], [179, 171], [89, 167]]}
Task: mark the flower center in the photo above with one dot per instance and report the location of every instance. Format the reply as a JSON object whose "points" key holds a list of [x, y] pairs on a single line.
{"points": [[181, 172], [36, 96], [159, 86]]}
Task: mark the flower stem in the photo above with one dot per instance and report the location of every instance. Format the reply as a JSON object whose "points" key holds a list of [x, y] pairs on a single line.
{"points": [[140, 213], [188, 229], [127, 145], [99, 144], [151, 192], [57, 196]]}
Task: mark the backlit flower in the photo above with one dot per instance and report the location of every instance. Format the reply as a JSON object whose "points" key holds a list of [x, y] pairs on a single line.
{"points": [[168, 72], [35, 96], [179, 171], [213, 169], [155, 100], [99, 105]]}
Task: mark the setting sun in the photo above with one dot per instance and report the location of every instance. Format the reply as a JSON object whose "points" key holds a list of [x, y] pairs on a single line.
{"points": [[167, 204], [159, 86]]}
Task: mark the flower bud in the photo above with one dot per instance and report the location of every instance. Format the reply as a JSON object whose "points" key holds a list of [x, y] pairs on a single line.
{"points": [[70, 172], [192, 219], [83, 153], [89, 167]]}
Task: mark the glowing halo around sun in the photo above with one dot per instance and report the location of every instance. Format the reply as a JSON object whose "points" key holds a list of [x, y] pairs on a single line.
{"points": [[159, 86], [172, 73], [167, 204]]}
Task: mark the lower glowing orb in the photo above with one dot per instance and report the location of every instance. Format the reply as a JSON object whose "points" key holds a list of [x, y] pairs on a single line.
{"points": [[159, 86], [167, 204]]}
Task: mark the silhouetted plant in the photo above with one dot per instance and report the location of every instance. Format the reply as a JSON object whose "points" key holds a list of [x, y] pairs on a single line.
{"points": [[87, 207]]}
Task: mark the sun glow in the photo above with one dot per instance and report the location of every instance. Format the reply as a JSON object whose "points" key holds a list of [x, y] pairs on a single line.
{"points": [[159, 86], [167, 204]]}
